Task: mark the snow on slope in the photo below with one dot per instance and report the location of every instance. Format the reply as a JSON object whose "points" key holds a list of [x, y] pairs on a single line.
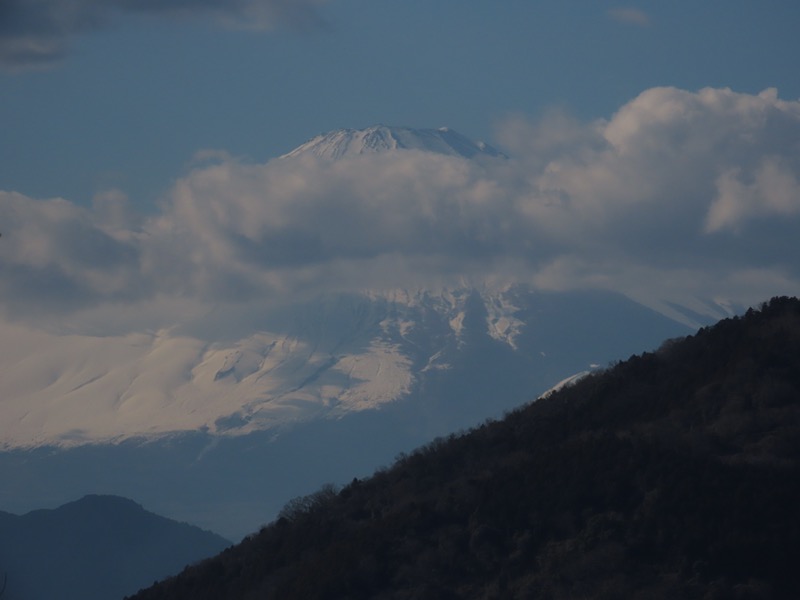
{"points": [[566, 382], [78, 389], [334, 356], [380, 138]]}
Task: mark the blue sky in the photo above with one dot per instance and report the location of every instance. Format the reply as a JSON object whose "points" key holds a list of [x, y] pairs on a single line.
{"points": [[124, 99]]}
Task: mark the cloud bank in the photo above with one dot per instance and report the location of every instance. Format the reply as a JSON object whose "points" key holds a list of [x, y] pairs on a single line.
{"points": [[679, 195], [38, 33]]}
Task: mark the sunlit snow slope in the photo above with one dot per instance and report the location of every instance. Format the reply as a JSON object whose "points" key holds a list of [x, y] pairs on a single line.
{"points": [[336, 355]]}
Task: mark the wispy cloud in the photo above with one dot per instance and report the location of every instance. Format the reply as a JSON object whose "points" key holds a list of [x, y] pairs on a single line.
{"points": [[39, 33], [678, 194], [630, 16]]}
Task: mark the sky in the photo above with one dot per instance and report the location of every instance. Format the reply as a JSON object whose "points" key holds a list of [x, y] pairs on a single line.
{"points": [[654, 149]]}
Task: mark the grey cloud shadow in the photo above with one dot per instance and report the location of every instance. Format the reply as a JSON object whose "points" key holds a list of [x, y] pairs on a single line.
{"points": [[39, 34]]}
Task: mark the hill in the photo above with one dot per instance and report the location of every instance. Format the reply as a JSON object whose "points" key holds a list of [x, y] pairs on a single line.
{"points": [[95, 548], [672, 474]]}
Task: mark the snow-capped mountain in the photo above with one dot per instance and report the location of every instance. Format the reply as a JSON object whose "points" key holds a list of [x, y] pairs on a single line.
{"points": [[380, 138], [221, 428]]}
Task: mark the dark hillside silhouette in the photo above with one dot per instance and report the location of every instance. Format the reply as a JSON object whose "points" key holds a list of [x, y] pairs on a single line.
{"points": [[673, 474]]}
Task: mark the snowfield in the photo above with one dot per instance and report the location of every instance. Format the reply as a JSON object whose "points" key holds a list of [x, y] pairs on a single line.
{"points": [[340, 356]]}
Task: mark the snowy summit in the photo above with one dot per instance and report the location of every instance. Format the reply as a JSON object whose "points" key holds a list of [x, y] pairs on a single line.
{"points": [[380, 138]]}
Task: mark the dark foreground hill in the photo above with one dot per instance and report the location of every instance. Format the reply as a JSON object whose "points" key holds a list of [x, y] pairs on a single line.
{"points": [[96, 548], [674, 474]]}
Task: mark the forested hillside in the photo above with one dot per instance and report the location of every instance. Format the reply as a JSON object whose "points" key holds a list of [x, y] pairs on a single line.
{"points": [[673, 474]]}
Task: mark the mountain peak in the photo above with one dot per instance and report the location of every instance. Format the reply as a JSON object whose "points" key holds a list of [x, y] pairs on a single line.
{"points": [[343, 143]]}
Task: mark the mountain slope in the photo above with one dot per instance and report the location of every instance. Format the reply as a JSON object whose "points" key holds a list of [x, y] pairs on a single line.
{"points": [[463, 371], [98, 547], [672, 474], [325, 359]]}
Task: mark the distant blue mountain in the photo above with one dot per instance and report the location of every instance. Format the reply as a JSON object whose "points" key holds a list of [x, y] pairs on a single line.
{"points": [[96, 548]]}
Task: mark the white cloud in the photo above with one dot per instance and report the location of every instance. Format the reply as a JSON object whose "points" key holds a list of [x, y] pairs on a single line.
{"points": [[668, 151], [293, 217], [55, 257], [773, 191], [675, 196]]}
